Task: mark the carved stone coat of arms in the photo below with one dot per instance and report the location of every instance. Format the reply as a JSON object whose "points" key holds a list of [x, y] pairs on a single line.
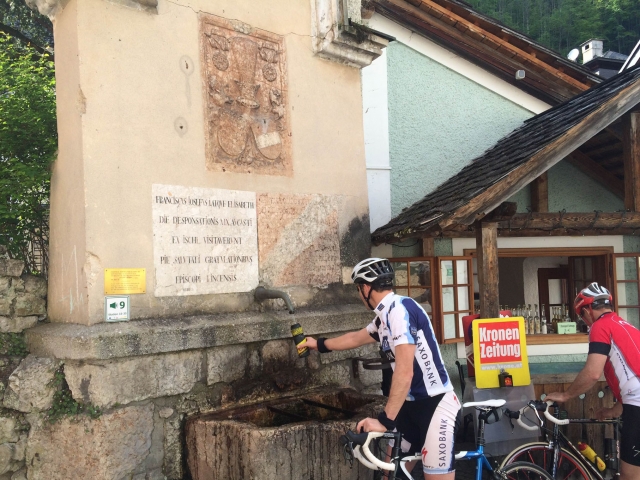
{"points": [[245, 88]]}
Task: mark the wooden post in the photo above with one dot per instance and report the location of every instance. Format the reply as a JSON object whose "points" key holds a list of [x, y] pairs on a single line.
{"points": [[631, 155], [428, 247], [540, 193], [487, 252]]}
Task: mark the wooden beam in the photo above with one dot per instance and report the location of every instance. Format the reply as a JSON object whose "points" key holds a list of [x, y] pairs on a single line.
{"points": [[616, 131], [504, 211], [596, 172], [449, 17], [631, 157], [572, 220], [540, 193], [428, 247], [487, 248], [476, 52], [545, 158], [506, 233], [558, 224]]}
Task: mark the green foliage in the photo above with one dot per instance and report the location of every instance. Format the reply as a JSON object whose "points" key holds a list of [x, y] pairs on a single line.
{"points": [[564, 24], [13, 344], [28, 143], [18, 20], [63, 403]]}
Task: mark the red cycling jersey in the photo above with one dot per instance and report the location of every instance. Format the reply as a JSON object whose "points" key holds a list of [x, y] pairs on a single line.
{"points": [[613, 336]]}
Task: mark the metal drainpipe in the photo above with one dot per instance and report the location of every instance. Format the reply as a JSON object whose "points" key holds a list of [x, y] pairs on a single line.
{"points": [[262, 293]]}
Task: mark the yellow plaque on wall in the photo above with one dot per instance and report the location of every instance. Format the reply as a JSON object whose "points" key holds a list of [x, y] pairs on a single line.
{"points": [[500, 344], [125, 281]]}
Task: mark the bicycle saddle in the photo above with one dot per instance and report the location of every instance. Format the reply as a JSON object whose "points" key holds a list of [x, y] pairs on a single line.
{"points": [[486, 403]]}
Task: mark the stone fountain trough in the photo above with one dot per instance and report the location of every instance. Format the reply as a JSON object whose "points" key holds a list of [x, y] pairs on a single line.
{"points": [[290, 438]]}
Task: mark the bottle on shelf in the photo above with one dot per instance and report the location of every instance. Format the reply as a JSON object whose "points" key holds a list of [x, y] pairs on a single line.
{"points": [[543, 320], [567, 317], [536, 319], [532, 326]]}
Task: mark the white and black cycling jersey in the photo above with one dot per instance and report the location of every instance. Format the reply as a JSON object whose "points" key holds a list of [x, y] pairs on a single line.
{"points": [[399, 321]]}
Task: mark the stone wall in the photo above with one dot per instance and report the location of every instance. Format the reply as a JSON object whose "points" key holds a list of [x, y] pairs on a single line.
{"points": [[145, 401], [136, 383], [22, 305]]}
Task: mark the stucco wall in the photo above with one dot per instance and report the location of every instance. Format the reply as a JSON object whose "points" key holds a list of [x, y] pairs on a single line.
{"points": [[573, 191], [123, 90], [438, 121]]}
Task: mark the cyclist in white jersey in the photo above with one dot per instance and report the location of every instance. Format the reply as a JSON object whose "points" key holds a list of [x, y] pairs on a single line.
{"points": [[421, 403], [614, 348]]}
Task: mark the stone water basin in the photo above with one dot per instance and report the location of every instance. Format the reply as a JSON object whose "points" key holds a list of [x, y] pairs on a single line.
{"points": [[292, 438]]}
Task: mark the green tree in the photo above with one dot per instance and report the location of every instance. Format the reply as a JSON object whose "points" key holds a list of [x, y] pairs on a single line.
{"points": [[28, 143], [564, 24], [25, 24]]}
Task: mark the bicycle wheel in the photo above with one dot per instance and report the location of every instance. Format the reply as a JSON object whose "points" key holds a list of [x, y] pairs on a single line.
{"points": [[521, 471], [539, 453]]}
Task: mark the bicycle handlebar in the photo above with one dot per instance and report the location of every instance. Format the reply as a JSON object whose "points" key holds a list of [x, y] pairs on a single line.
{"points": [[369, 460], [553, 419], [536, 406]]}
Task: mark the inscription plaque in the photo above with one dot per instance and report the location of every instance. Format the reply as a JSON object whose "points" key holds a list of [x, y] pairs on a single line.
{"points": [[298, 239], [204, 240], [245, 88]]}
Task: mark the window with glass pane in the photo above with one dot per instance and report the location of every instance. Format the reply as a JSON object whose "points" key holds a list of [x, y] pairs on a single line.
{"points": [[627, 287], [456, 295], [401, 282], [414, 278]]}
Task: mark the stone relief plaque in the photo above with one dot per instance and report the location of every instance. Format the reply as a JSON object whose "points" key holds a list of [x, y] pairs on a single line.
{"points": [[245, 88], [204, 240], [298, 239]]}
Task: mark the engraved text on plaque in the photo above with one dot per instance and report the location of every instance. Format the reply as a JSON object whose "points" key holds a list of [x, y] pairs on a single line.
{"points": [[204, 240]]}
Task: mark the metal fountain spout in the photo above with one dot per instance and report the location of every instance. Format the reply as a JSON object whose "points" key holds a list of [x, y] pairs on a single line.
{"points": [[262, 293]]}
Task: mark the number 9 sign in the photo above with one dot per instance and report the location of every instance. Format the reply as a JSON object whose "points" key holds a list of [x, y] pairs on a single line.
{"points": [[116, 308]]}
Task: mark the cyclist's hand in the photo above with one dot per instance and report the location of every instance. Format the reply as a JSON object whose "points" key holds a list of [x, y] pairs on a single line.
{"points": [[370, 425], [604, 413], [613, 412], [559, 397], [312, 343]]}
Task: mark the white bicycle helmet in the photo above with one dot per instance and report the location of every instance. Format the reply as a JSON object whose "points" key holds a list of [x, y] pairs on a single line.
{"points": [[373, 270], [593, 295]]}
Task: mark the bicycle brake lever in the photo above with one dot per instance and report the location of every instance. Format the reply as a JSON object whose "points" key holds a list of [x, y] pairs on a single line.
{"points": [[348, 455]]}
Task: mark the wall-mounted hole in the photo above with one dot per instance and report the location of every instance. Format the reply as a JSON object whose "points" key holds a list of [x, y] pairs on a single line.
{"points": [[186, 65], [181, 126]]}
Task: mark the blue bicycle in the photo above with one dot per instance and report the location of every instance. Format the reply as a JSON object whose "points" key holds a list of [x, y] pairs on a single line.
{"points": [[356, 446]]}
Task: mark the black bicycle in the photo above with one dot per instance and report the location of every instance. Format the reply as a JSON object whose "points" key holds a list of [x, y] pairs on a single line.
{"points": [[558, 456]]}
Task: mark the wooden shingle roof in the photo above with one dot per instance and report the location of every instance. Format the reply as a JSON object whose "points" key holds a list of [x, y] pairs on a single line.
{"points": [[515, 160]]}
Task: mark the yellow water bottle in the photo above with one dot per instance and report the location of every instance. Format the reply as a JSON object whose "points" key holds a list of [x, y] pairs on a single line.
{"points": [[593, 457], [300, 340]]}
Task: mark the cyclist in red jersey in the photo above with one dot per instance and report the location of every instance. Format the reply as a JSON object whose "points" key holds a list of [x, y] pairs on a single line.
{"points": [[614, 348]]}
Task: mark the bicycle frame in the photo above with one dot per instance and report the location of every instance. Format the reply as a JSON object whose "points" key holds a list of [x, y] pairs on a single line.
{"points": [[478, 454], [559, 440], [480, 458]]}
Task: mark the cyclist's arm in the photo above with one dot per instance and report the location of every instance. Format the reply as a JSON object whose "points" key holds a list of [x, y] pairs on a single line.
{"points": [[586, 379], [401, 379], [344, 342]]}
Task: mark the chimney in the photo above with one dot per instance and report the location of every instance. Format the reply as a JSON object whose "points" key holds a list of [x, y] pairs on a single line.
{"points": [[591, 49]]}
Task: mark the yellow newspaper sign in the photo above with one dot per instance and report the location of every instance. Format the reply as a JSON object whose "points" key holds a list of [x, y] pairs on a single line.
{"points": [[500, 343], [125, 281]]}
